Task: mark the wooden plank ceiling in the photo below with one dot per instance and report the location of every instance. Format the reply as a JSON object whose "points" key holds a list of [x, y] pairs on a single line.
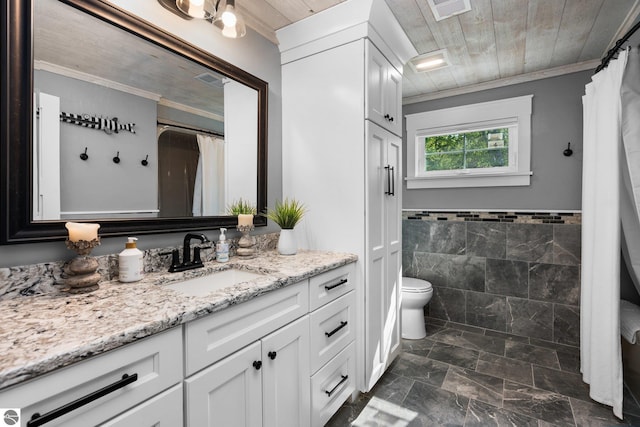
{"points": [[498, 42]]}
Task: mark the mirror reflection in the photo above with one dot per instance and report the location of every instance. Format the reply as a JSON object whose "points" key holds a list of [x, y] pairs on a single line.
{"points": [[125, 129]]}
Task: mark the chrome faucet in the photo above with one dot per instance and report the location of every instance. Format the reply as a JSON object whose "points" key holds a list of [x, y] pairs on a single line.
{"points": [[187, 263]]}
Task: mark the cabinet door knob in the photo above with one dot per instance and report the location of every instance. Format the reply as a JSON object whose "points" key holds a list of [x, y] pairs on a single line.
{"points": [[257, 364], [272, 355], [386, 116]]}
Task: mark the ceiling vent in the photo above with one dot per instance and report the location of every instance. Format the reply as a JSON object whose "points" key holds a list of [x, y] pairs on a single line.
{"points": [[210, 79], [443, 9], [430, 61]]}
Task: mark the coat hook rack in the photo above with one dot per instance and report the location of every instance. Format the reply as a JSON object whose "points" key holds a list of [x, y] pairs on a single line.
{"points": [[84, 156], [145, 162], [568, 151], [116, 159]]}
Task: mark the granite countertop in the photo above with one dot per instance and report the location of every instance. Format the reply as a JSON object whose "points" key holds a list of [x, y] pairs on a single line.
{"points": [[39, 334]]}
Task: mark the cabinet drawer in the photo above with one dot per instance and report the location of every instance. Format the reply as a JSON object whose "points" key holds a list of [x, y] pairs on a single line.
{"points": [[332, 328], [332, 385], [156, 360], [211, 338], [164, 410], [330, 285]]}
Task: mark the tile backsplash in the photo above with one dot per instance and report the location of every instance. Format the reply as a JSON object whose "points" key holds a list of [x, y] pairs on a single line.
{"points": [[512, 272]]}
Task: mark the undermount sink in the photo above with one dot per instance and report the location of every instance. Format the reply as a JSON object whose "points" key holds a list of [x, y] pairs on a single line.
{"points": [[199, 286]]}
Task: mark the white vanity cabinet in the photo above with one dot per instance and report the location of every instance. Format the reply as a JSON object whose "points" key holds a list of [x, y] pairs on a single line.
{"points": [[264, 384], [256, 360], [332, 331], [152, 365]]}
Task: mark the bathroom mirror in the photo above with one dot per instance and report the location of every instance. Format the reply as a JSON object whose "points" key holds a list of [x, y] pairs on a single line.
{"points": [[108, 158]]}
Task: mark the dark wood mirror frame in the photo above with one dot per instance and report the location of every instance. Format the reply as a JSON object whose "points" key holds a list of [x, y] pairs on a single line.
{"points": [[16, 126]]}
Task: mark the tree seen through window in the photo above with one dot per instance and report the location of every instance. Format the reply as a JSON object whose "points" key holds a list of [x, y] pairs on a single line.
{"points": [[467, 150]]}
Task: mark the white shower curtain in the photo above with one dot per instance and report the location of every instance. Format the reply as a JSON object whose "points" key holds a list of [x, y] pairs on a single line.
{"points": [[600, 354], [208, 192]]}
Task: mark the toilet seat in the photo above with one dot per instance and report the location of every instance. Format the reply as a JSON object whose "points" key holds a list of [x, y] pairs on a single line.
{"points": [[413, 285]]}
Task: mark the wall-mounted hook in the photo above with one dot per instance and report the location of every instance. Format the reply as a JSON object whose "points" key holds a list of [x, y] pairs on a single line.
{"points": [[116, 159], [568, 151], [145, 162], [84, 156]]}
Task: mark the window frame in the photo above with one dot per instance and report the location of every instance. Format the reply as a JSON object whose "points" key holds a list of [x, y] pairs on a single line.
{"points": [[500, 113]]}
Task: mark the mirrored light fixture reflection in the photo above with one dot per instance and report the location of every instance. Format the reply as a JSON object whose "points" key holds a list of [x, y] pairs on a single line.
{"points": [[222, 13], [193, 8]]}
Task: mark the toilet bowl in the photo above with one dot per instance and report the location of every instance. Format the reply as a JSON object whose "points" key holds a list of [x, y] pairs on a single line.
{"points": [[416, 293]]}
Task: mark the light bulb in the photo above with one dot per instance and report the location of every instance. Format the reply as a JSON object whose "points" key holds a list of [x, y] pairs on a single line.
{"points": [[229, 19]]}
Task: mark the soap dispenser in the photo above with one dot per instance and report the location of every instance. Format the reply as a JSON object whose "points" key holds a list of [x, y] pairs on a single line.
{"points": [[222, 248], [130, 262]]}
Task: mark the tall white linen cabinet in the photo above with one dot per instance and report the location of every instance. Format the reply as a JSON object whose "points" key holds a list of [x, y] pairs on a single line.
{"points": [[342, 156]]}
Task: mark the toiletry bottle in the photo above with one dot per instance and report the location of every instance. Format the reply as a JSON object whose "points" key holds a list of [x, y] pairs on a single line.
{"points": [[222, 248], [130, 263]]}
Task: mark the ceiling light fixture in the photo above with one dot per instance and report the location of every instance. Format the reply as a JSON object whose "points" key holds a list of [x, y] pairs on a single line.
{"points": [[221, 13], [430, 61], [228, 20]]}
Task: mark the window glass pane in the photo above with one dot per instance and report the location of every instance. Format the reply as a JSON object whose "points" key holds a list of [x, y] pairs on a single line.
{"points": [[439, 162], [488, 148], [444, 143]]}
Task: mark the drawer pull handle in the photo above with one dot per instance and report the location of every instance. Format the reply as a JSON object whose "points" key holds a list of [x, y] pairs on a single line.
{"points": [[272, 355], [342, 325], [340, 283], [330, 392], [257, 364], [38, 420]]}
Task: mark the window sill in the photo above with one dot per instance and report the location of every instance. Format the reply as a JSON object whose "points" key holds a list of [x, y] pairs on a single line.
{"points": [[464, 180]]}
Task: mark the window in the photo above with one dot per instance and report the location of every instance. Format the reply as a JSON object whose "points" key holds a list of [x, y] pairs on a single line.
{"points": [[477, 145]]}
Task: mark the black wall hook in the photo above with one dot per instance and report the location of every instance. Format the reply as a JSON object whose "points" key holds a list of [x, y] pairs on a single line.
{"points": [[116, 159], [568, 151], [84, 156], [145, 162]]}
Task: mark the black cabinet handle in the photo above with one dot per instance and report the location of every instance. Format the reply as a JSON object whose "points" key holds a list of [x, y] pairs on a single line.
{"points": [[330, 392], [257, 364], [388, 168], [388, 117], [272, 355], [342, 325], [341, 282], [38, 420], [393, 181]]}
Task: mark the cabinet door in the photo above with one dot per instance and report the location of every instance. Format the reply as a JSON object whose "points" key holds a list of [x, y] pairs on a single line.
{"points": [[393, 100], [384, 91], [383, 251], [286, 377], [228, 393]]}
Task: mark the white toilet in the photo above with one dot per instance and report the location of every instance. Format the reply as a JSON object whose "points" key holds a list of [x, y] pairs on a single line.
{"points": [[416, 293]]}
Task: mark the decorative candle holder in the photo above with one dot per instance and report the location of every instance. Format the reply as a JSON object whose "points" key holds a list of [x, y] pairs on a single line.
{"points": [[81, 275], [247, 243]]}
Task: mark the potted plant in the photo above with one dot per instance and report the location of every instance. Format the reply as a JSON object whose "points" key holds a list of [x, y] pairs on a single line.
{"points": [[287, 214], [244, 210]]}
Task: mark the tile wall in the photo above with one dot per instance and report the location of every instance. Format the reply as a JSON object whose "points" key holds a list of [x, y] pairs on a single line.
{"points": [[512, 272]]}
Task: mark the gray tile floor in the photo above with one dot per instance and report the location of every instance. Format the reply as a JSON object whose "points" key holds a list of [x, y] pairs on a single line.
{"points": [[465, 376]]}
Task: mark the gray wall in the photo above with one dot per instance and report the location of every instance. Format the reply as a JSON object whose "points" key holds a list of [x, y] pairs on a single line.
{"points": [[556, 119], [252, 53], [99, 184]]}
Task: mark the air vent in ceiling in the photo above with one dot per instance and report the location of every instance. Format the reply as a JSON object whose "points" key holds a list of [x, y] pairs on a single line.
{"points": [[447, 8], [210, 79]]}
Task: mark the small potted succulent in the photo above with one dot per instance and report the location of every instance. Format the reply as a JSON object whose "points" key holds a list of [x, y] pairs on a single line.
{"points": [[287, 214]]}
